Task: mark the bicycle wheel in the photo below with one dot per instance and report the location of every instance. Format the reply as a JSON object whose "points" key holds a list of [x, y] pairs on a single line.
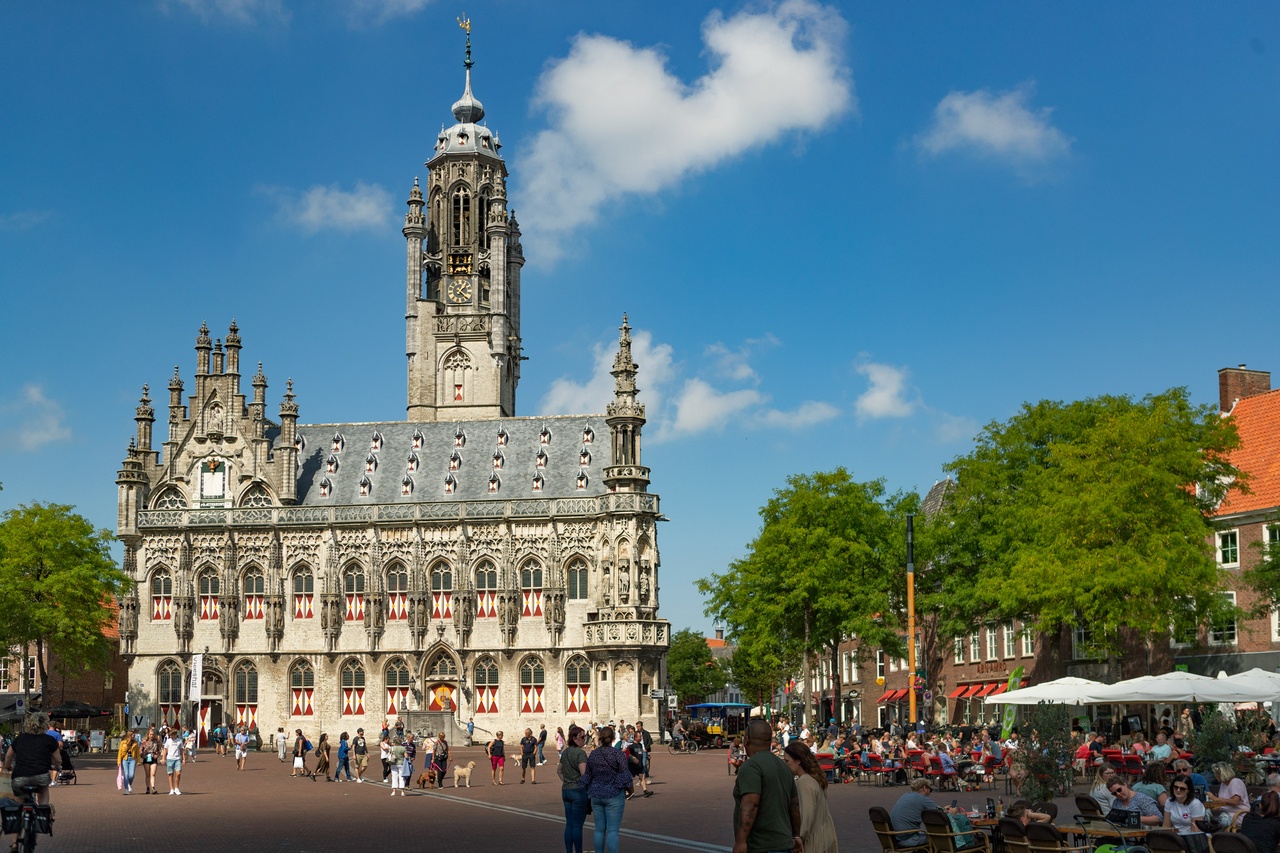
{"points": [[673, 749], [693, 747], [27, 838]]}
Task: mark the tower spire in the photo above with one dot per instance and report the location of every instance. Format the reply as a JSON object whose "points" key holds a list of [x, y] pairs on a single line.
{"points": [[468, 109], [625, 417]]}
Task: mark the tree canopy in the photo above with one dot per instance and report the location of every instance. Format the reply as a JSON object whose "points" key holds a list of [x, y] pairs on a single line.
{"points": [[1093, 513], [826, 565], [692, 670], [57, 583]]}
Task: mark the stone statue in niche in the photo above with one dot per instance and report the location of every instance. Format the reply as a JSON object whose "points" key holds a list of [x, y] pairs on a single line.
{"points": [[644, 589], [624, 588]]}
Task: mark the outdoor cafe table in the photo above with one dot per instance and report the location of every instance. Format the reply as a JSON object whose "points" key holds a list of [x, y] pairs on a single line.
{"points": [[1100, 829]]}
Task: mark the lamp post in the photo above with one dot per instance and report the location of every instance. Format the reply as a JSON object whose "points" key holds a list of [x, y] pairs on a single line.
{"points": [[911, 622]]}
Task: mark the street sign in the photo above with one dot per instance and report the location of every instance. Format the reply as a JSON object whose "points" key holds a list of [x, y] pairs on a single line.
{"points": [[928, 696], [671, 702], [138, 721], [657, 694]]}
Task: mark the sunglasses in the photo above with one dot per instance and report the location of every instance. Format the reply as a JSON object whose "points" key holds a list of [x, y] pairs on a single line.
{"points": [[1181, 788]]}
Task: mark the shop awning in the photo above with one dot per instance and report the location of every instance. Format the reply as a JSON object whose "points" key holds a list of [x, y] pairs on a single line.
{"points": [[988, 689], [958, 692], [884, 697], [1000, 688], [971, 691]]}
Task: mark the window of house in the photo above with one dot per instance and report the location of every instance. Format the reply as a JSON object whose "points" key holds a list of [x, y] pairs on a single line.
{"points": [[959, 649], [893, 664], [1223, 632], [1081, 642], [1009, 640], [1028, 642], [397, 592], [303, 593], [1271, 538], [577, 579], [992, 642], [531, 589], [879, 663], [975, 647], [1229, 548], [441, 591]]}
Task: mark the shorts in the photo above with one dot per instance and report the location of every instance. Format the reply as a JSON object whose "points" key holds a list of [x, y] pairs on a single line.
{"points": [[242, 751], [172, 765], [148, 759], [527, 761], [362, 761], [40, 783], [496, 761]]}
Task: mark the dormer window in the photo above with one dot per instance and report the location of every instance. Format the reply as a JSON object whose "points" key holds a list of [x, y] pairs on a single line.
{"points": [[495, 482], [582, 481], [459, 438], [584, 458], [450, 483], [498, 460], [541, 461], [538, 482], [406, 486], [325, 487], [370, 464], [331, 465], [455, 461], [418, 438], [544, 437], [588, 435], [502, 436], [338, 442], [375, 442], [365, 486], [413, 463]]}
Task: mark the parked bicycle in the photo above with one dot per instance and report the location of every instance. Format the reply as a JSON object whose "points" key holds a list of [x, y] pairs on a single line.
{"points": [[27, 819]]}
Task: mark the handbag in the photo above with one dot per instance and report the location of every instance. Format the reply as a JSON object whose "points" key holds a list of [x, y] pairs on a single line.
{"points": [[119, 777]]}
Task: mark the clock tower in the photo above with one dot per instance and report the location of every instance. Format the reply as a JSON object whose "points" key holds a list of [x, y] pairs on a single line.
{"points": [[462, 318]]}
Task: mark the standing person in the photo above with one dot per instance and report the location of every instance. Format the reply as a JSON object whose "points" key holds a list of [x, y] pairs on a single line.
{"points": [[396, 753], [322, 758], [189, 744], [528, 744], [560, 741], [282, 744], [127, 758], [440, 760], [173, 760], [384, 753], [608, 783], [242, 748], [634, 749], [299, 754], [471, 731], [646, 740], [344, 758], [766, 809], [570, 768], [542, 743], [29, 757], [150, 749], [360, 751], [406, 766], [817, 830], [497, 752]]}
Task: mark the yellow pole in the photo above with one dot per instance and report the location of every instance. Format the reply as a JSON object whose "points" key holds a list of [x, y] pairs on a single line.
{"points": [[911, 624]]}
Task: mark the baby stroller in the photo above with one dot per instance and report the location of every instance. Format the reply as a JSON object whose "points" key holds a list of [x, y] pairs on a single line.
{"points": [[67, 772]]}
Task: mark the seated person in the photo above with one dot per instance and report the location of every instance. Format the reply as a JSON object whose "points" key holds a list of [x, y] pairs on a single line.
{"points": [[677, 733], [1182, 767], [1182, 810], [1155, 783], [1101, 788], [1232, 798], [1129, 800], [1263, 826], [905, 814], [737, 755], [1162, 751], [1021, 811]]}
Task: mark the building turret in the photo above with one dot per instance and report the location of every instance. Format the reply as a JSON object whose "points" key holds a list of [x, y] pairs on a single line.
{"points": [[146, 417], [258, 409], [625, 417], [177, 411], [287, 449], [233, 353]]}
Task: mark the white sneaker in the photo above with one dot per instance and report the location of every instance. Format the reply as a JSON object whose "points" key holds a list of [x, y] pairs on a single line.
{"points": [[393, 793], [177, 793], [171, 792]]}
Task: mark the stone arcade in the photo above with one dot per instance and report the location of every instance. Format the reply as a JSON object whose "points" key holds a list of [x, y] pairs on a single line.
{"points": [[464, 562]]}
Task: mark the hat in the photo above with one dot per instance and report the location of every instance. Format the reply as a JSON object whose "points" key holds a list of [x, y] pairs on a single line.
{"points": [[920, 782], [832, 720]]}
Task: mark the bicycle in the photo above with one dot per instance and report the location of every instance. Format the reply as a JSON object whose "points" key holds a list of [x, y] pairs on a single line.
{"points": [[685, 746], [28, 819]]}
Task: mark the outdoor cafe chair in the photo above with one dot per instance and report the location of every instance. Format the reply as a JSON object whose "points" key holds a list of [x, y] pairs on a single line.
{"points": [[942, 838], [1166, 840], [887, 835], [1231, 842], [1049, 808], [1087, 805], [1043, 837]]}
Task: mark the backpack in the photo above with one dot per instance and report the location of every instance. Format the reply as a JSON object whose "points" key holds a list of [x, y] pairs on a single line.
{"points": [[306, 745]]}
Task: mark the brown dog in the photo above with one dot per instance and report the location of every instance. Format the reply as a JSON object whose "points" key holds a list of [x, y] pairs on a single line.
{"points": [[463, 774], [424, 780]]}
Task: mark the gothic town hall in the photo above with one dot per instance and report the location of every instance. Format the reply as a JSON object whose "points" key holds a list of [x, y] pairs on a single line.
{"points": [[464, 562]]}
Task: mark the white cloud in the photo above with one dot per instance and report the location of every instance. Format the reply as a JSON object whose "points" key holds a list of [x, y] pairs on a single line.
{"points": [[330, 208], [238, 11], [31, 421], [999, 125], [24, 219], [886, 396], [623, 124], [680, 407], [381, 11]]}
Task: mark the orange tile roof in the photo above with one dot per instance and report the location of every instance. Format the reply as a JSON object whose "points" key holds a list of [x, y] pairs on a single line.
{"points": [[1257, 419], [713, 643], [111, 628]]}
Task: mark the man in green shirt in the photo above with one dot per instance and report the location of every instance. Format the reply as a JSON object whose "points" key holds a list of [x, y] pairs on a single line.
{"points": [[766, 810]]}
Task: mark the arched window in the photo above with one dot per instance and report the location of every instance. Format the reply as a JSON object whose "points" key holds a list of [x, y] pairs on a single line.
{"points": [[302, 684], [353, 592], [486, 591], [161, 596], [352, 689], [577, 679], [440, 696], [455, 376], [441, 591], [256, 495], [461, 224], [531, 589], [398, 685], [170, 498], [532, 678], [577, 573], [255, 586], [397, 592], [482, 221], [208, 584], [486, 687], [304, 585], [442, 666], [169, 692], [246, 695]]}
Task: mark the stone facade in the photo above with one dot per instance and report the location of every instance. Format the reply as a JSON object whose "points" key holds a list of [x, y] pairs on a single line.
{"points": [[462, 563]]}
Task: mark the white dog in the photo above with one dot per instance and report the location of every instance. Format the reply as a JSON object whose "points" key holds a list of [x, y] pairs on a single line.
{"points": [[463, 774]]}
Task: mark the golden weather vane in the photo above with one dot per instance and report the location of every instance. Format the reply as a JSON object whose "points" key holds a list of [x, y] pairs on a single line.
{"points": [[465, 23]]}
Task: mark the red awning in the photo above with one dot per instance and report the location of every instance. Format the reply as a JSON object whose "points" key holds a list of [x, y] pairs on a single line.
{"points": [[899, 695], [988, 689], [971, 691], [884, 697], [1000, 688], [958, 692]]}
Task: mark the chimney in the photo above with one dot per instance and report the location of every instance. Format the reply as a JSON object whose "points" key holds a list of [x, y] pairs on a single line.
{"points": [[1236, 383], [719, 631]]}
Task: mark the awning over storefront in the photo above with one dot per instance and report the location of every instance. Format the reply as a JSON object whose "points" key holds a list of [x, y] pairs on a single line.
{"points": [[884, 697], [892, 696], [971, 691], [988, 689], [958, 692]]}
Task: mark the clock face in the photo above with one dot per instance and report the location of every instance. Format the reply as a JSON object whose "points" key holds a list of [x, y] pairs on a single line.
{"points": [[459, 290]]}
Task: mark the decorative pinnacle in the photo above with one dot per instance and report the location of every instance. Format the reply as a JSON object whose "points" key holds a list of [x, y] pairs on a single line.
{"points": [[465, 23]]}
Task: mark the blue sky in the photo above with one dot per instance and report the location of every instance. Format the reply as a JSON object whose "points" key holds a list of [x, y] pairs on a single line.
{"points": [[844, 234]]}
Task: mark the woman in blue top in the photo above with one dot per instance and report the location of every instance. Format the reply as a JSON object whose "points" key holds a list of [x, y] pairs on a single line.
{"points": [[344, 758], [608, 781]]}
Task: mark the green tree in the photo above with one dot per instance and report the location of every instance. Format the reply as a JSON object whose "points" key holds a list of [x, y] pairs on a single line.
{"points": [[1091, 513], [759, 668], [690, 667], [828, 564], [57, 581]]}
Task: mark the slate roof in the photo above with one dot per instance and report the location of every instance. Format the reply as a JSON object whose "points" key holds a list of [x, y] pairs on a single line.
{"points": [[931, 505], [524, 441], [1257, 419]]}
